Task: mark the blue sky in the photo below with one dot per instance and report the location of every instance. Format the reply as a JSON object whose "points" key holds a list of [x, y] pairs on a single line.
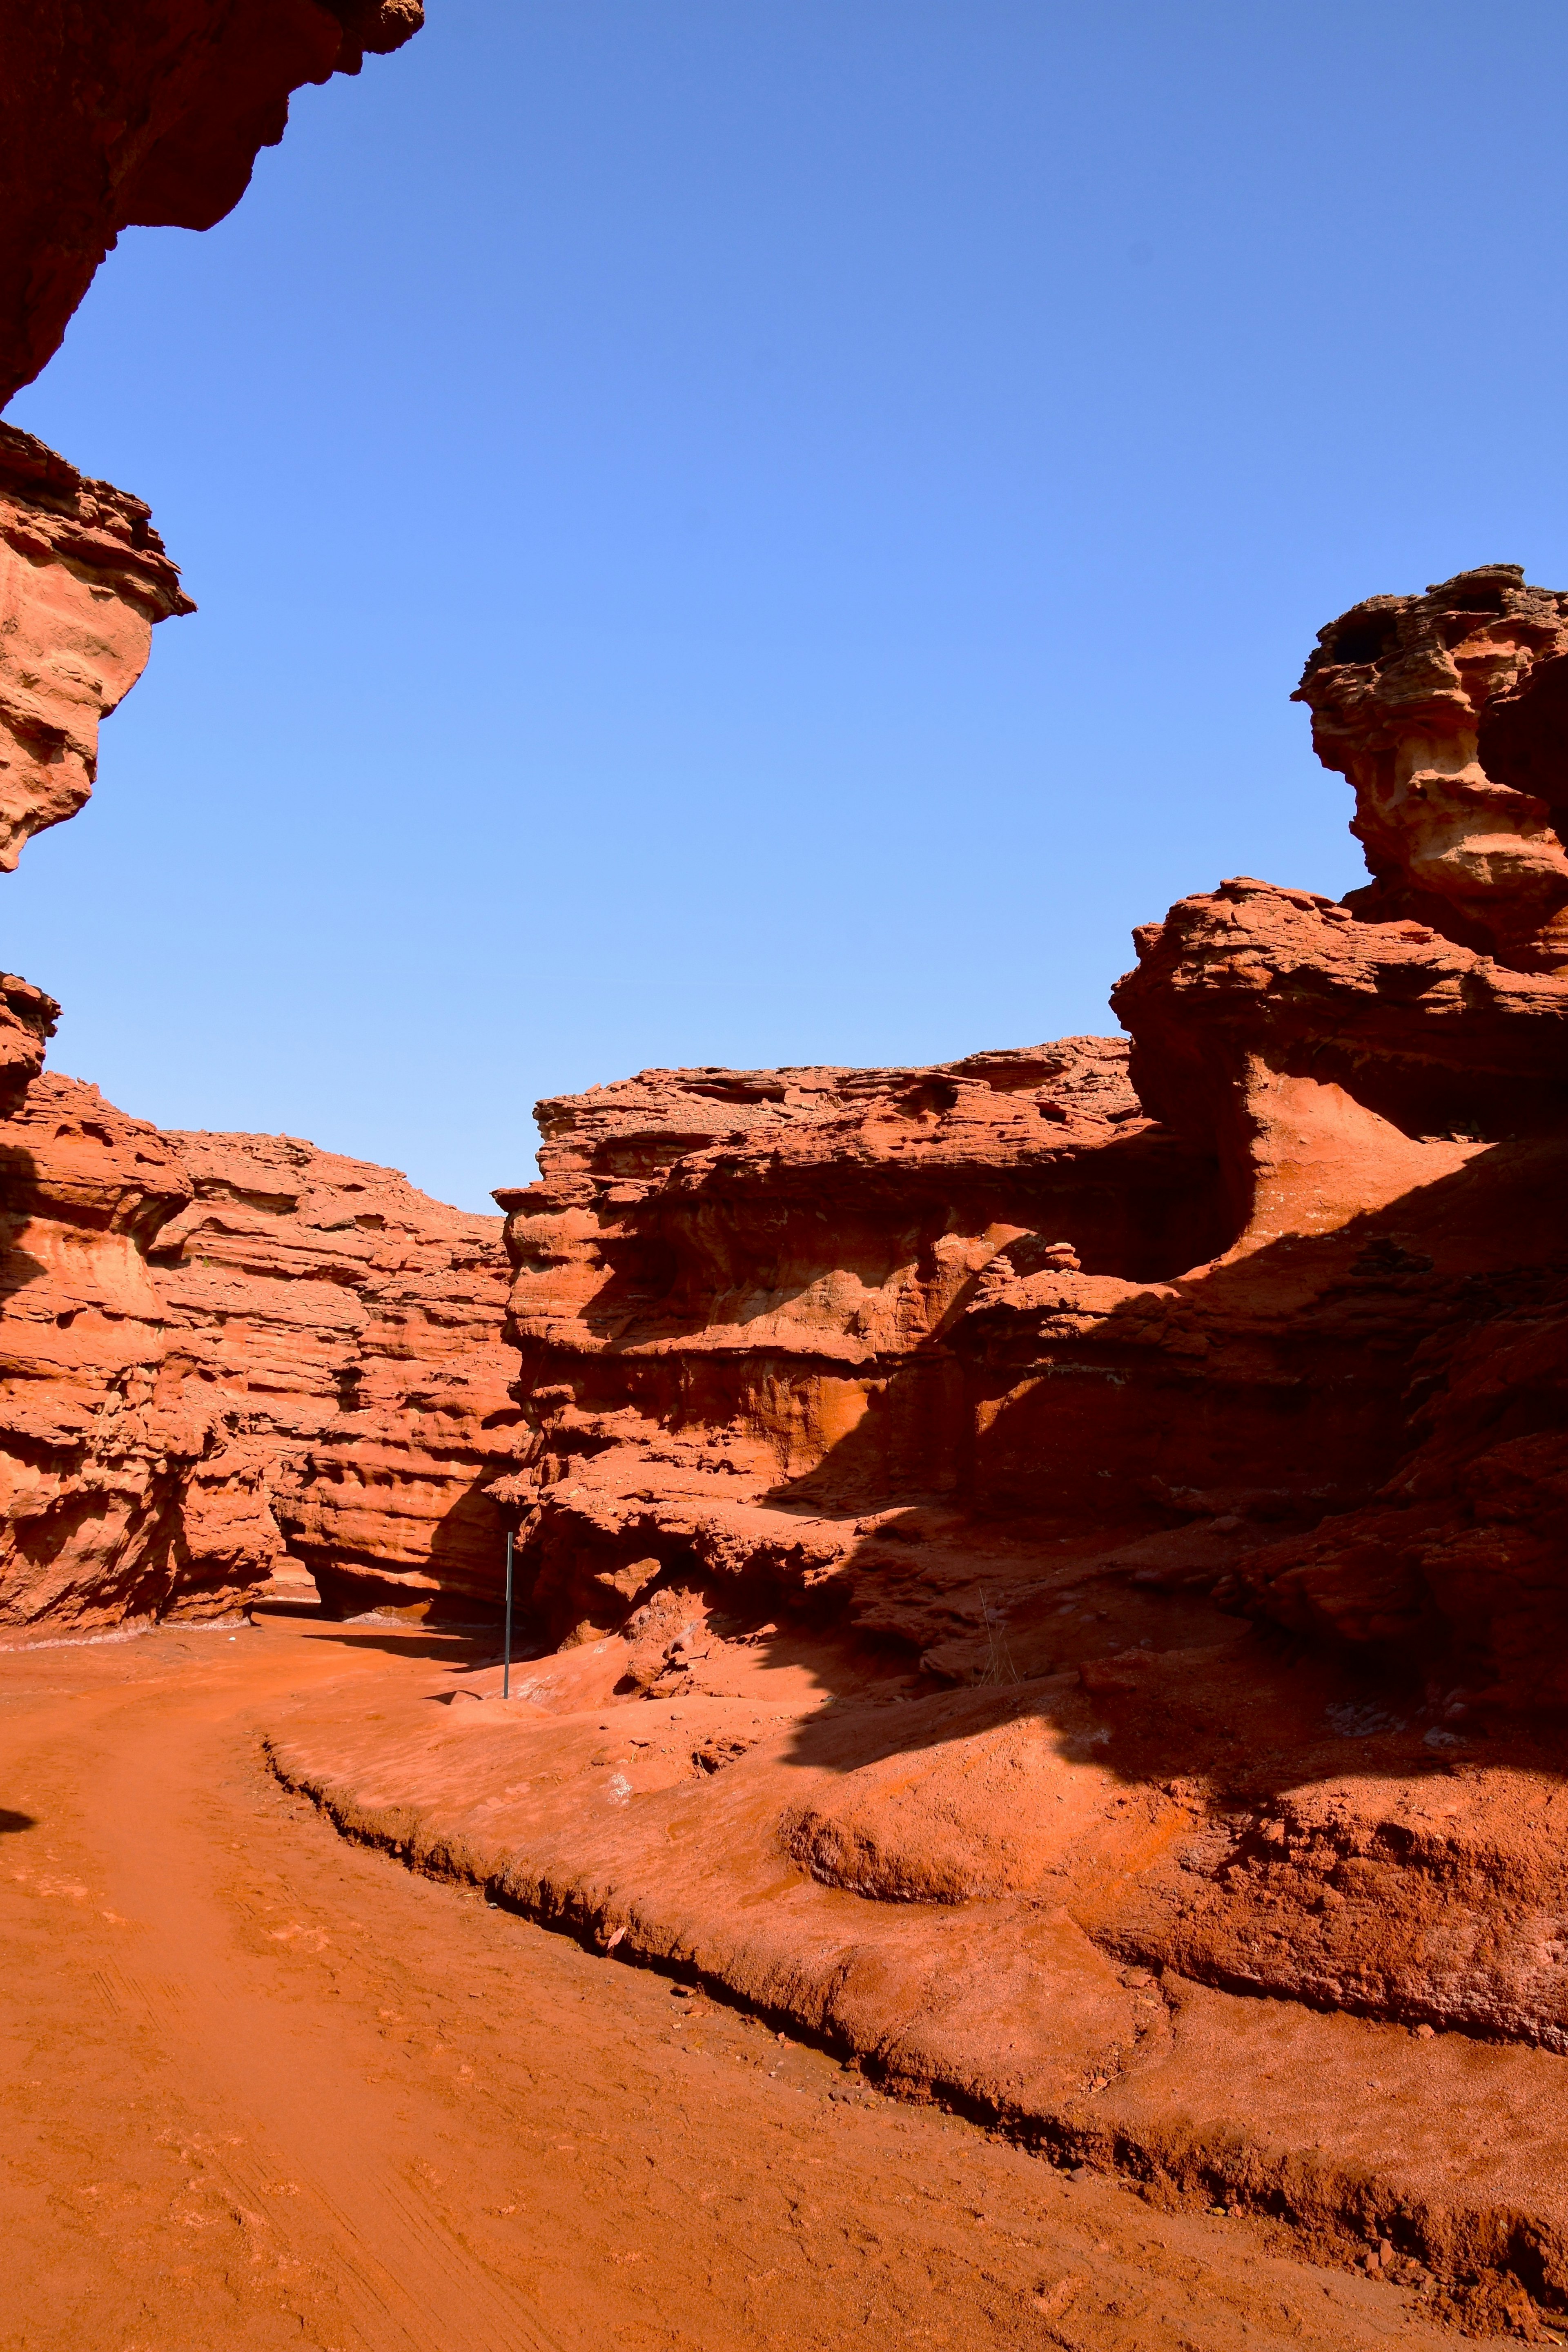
{"points": [[741, 533]]}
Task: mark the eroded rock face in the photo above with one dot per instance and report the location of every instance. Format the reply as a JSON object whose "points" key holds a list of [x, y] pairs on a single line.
{"points": [[126, 113], [83, 578], [1193, 1409], [144, 1464], [751, 1309], [1400, 688], [882, 1337], [222, 1349], [346, 1330], [93, 1455], [28, 1018], [1391, 1111]]}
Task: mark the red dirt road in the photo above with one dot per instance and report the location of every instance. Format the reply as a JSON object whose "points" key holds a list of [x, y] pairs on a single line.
{"points": [[262, 2088]]}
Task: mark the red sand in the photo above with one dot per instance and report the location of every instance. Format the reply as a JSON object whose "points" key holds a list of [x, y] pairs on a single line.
{"points": [[265, 2089]]}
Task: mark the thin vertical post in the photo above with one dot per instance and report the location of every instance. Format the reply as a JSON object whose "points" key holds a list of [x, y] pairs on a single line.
{"points": [[506, 1669]]}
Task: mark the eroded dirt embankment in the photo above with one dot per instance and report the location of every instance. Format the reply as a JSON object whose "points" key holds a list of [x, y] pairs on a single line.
{"points": [[713, 1833], [268, 2088]]}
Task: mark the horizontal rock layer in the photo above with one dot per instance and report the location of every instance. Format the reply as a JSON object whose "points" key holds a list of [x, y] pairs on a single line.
{"points": [[219, 1349]]}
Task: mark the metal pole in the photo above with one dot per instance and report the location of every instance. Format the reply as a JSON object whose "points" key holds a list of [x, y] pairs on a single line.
{"points": [[506, 1670]]}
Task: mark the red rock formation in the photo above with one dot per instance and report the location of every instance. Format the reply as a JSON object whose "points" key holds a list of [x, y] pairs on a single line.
{"points": [[1003, 1394], [218, 1348], [127, 114], [139, 1463], [1392, 1114], [1400, 689], [765, 1317], [92, 1457], [90, 1467], [905, 1446], [83, 578], [27, 1020], [744, 1302], [346, 1330]]}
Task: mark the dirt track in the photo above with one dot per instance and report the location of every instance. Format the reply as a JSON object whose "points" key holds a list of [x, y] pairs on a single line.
{"points": [[263, 2088]]}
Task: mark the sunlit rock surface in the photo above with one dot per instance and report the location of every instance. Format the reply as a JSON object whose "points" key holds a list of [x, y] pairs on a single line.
{"points": [[83, 578], [144, 113]]}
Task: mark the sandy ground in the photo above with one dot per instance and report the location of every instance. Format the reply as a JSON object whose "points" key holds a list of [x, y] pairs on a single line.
{"points": [[265, 2088]]}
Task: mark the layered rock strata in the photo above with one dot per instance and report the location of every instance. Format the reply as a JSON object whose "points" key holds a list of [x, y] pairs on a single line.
{"points": [[345, 1330], [1408, 694], [93, 1458], [752, 1309], [1024, 1552], [217, 1351], [83, 578], [1073, 1525], [1392, 1112], [777, 1326], [221, 1351], [152, 1460]]}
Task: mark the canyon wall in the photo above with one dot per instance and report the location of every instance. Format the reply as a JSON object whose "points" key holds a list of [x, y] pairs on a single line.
{"points": [[1270, 1303], [219, 1350], [83, 580], [1011, 1545], [212, 1348], [1074, 1534], [1070, 1526], [144, 113], [1023, 1557], [345, 1331]]}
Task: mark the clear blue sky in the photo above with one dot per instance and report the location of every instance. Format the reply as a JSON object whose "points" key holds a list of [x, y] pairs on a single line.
{"points": [[752, 533]]}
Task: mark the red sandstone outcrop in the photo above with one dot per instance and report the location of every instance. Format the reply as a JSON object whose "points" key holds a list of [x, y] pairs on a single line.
{"points": [[92, 1458], [221, 1348], [346, 1330], [1392, 1110], [27, 1020], [901, 1453], [1401, 690], [83, 578], [147, 1465], [985, 1404], [127, 114], [772, 1323], [744, 1303]]}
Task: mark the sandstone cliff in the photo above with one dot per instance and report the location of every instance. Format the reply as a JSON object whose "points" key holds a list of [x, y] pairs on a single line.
{"points": [[217, 1349], [144, 113], [1221, 1302], [83, 578], [1113, 1485], [749, 1306], [151, 1460], [346, 1331], [1017, 1553]]}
